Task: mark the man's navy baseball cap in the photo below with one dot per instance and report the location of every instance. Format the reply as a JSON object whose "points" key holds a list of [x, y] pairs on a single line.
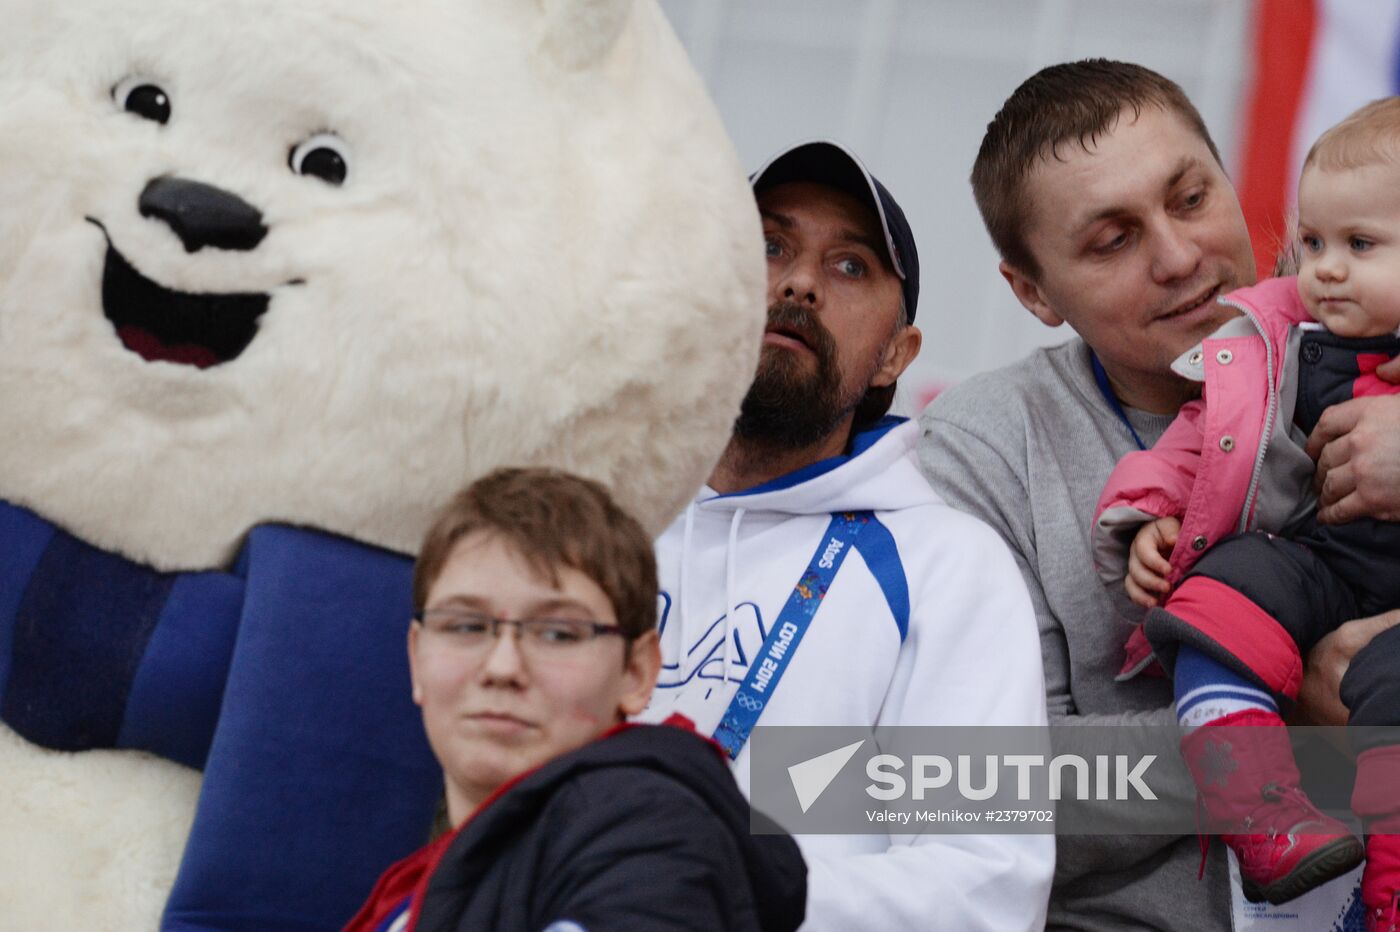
{"points": [[831, 164]]}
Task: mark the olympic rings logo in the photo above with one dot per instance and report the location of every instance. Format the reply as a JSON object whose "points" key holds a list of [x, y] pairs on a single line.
{"points": [[748, 703]]}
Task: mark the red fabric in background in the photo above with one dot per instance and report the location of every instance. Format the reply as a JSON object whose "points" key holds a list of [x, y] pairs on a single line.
{"points": [[1283, 40]]}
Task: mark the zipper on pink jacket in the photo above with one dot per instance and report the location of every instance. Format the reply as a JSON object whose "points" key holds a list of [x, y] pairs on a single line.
{"points": [[1271, 412]]}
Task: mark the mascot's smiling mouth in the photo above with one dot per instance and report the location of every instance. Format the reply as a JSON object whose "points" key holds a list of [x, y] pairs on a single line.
{"points": [[161, 325]]}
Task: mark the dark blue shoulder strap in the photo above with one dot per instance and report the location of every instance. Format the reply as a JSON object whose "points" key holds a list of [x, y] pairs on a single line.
{"points": [[1106, 390]]}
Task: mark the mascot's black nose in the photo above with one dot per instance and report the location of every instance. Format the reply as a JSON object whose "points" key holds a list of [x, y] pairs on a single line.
{"points": [[203, 215]]}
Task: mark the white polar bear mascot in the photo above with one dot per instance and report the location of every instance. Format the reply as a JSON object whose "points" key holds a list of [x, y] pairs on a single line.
{"points": [[276, 278]]}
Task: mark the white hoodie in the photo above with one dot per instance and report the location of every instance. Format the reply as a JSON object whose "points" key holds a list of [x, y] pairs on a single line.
{"points": [[927, 622]]}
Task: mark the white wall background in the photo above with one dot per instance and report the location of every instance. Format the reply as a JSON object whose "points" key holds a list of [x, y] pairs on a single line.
{"points": [[911, 85]]}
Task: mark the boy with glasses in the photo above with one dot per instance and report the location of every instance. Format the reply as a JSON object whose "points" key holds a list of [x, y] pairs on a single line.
{"points": [[535, 637]]}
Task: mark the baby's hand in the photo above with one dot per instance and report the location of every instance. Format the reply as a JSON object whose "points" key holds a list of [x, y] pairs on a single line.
{"points": [[1147, 561]]}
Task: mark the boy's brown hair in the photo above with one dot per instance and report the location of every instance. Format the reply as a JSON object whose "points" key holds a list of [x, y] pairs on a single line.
{"points": [[1075, 102], [1370, 136], [553, 519]]}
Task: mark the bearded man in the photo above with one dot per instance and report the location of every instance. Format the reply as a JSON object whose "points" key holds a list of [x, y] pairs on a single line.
{"points": [[818, 580]]}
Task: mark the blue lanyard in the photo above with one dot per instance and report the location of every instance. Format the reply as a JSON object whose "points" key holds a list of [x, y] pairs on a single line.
{"points": [[1106, 390], [775, 655]]}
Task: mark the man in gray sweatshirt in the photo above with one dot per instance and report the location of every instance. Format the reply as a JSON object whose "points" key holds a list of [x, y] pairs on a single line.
{"points": [[1105, 196]]}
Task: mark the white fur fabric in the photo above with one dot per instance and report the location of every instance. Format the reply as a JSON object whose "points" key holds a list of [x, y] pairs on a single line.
{"points": [[90, 841], [545, 252], [527, 264]]}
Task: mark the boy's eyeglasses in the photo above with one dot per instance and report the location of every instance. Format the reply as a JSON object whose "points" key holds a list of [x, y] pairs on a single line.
{"points": [[546, 636]]}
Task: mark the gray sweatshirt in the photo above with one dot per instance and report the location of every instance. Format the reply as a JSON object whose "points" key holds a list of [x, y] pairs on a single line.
{"points": [[1027, 449]]}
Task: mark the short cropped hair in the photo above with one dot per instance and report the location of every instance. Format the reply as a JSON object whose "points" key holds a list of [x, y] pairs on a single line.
{"points": [[553, 519], [1075, 102], [1370, 136]]}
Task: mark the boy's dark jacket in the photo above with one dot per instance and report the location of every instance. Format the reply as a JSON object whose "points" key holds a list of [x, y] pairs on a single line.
{"points": [[642, 829]]}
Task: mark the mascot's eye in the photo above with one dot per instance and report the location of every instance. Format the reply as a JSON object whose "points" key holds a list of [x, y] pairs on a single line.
{"points": [[324, 156], [144, 98]]}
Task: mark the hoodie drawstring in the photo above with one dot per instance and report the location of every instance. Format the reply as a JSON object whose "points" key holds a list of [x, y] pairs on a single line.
{"points": [[685, 568], [729, 605]]}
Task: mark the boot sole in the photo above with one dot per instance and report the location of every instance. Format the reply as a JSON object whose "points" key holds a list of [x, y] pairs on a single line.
{"points": [[1326, 863]]}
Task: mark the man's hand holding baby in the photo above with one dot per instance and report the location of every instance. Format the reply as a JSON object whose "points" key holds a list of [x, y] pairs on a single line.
{"points": [[1357, 448]]}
